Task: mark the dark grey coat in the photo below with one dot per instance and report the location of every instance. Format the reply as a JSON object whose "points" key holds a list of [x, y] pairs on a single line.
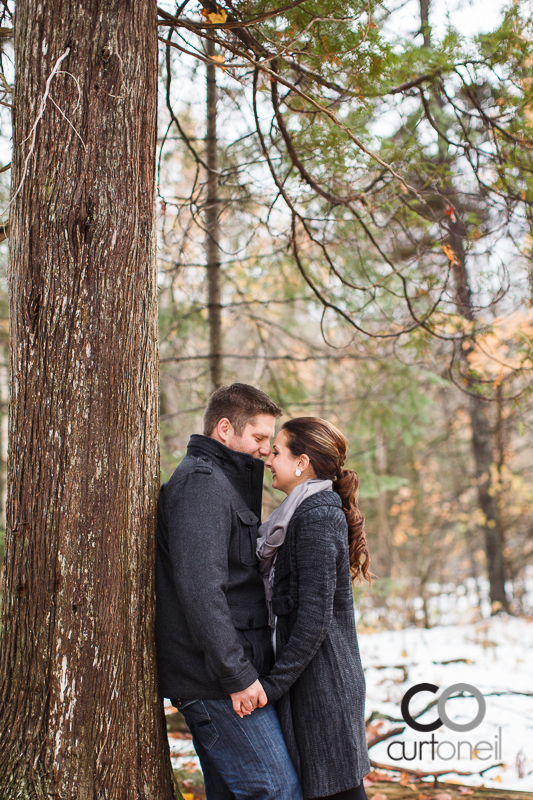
{"points": [[318, 679], [212, 634]]}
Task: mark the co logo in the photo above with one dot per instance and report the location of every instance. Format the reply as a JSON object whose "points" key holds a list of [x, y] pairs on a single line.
{"points": [[441, 705]]}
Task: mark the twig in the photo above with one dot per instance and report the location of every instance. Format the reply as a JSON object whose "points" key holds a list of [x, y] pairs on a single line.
{"points": [[418, 773], [33, 132], [382, 737]]}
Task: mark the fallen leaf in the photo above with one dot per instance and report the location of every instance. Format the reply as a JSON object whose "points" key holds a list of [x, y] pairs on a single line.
{"points": [[465, 790], [376, 775], [378, 796], [443, 796], [404, 779], [372, 777]]}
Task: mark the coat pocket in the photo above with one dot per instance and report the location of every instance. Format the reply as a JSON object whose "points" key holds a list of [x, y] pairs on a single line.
{"points": [[247, 537]]}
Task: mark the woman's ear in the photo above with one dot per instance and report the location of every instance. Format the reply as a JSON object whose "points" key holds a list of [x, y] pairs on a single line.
{"points": [[303, 462]]}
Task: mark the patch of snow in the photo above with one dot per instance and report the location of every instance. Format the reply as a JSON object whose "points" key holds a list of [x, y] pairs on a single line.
{"points": [[495, 656]]}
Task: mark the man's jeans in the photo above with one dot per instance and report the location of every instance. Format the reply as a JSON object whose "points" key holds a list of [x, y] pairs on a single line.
{"points": [[242, 759]]}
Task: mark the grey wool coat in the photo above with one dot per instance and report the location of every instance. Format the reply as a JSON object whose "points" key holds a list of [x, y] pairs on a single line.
{"points": [[318, 679]]}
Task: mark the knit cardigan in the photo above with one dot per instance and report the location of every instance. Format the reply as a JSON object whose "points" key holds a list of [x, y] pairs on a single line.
{"points": [[317, 680]]}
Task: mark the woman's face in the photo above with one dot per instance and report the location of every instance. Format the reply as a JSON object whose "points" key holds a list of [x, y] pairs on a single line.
{"points": [[283, 466]]}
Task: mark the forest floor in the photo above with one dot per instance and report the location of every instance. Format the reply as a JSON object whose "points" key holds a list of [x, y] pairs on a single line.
{"points": [[394, 791], [495, 656], [444, 791]]}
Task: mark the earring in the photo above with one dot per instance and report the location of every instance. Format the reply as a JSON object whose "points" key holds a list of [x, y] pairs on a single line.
{"points": [[298, 473]]}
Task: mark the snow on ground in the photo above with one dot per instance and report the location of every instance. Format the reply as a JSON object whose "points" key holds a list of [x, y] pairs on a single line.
{"points": [[182, 752], [494, 655]]}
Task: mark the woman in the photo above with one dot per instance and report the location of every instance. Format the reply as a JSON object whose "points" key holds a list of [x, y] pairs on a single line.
{"points": [[310, 549]]}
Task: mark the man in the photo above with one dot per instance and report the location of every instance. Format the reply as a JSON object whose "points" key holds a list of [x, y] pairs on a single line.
{"points": [[212, 635]]}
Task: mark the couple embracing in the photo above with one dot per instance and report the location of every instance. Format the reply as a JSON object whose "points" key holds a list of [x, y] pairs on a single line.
{"points": [[255, 630]]}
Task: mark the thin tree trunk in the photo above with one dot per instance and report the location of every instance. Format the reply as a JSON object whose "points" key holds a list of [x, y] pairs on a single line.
{"points": [[482, 435], [425, 27], [385, 535], [488, 502], [212, 244], [79, 714], [479, 417]]}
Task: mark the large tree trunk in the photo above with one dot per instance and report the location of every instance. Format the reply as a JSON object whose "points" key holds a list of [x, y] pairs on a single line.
{"points": [[212, 225], [79, 715]]}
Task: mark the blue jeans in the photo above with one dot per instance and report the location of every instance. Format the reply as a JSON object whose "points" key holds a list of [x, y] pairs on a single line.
{"points": [[242, 759]]}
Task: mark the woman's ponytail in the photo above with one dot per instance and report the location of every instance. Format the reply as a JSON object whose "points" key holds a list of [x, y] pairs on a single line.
{"points": [[346, 486]]}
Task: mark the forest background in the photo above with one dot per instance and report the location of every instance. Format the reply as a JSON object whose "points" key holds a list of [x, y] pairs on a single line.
{"points": [[344, 196], [288, 258], [406, 321]]}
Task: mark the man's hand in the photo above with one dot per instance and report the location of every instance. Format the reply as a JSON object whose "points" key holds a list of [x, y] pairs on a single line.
{"points": [[253, 697]]}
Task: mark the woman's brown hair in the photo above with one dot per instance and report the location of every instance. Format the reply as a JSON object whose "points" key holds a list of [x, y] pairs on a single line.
{"points": [[326, 447]]}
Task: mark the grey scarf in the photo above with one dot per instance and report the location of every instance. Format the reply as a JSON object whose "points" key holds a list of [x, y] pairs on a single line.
{"points": [[274, 529]]}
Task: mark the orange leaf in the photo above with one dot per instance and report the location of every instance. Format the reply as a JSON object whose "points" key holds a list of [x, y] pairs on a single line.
{"points": [[220, 59], [449, 253], [219, 18]]}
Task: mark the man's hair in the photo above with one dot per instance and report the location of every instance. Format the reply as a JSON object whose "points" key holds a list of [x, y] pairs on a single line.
{"points": [[240, 403]]}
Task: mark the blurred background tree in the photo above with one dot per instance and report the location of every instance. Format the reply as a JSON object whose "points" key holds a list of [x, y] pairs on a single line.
{"points": [[374, 238]]}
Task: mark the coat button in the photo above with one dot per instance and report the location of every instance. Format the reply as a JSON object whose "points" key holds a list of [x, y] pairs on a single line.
{"points": [[250, 623], [248, 467]]}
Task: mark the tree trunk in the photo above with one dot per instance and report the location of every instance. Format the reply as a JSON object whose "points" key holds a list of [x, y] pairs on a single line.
{"points": [[482, 435], [425, 28], [384, 533], [212, 225], [488, 502], [79, 714], [480, 423]]}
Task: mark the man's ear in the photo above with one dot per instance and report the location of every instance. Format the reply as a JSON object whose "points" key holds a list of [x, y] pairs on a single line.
{"points": [[224, 429]]}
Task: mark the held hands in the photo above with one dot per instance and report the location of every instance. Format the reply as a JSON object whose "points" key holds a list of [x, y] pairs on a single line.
{"points": [[253, 697]]}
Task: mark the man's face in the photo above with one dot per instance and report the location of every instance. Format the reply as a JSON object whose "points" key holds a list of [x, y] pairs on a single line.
{"points": [[255, 438]]}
